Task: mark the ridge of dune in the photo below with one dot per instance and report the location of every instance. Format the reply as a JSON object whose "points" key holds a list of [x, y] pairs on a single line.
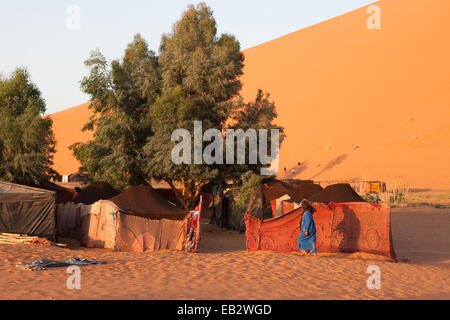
{"points": [[354, 102]]}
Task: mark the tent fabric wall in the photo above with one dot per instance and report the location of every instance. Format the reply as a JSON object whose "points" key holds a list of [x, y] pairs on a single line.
{"points": [[288, 206], [98, 227], [69, 217], [279, 205], [27, 210], [341, 227], [140, 234], [107, 227]]}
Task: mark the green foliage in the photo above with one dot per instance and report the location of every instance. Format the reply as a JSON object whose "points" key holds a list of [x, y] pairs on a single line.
{"points": [[170, 112], [140, 101], [200, 75], [27, 142], [397, 198], [257, 114], [203, 65], [250, 189], [368, 197], [122, 93]]}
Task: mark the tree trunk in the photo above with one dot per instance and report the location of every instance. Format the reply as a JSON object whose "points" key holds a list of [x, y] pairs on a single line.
{"points": [[179, 196], [251, 204], [191, 191]]}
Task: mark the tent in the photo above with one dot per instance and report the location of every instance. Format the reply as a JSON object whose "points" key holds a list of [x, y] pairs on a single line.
{"points": [[294, 195], [27, 210], [146, 202], [341, 227], [340, 192], [274, 189], [138, 219], [96, 190], [344, 222], [337, 193], [63, 195], [69, 213]]}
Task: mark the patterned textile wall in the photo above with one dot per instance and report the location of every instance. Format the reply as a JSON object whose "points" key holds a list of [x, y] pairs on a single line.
{"points": [[341, 227]]}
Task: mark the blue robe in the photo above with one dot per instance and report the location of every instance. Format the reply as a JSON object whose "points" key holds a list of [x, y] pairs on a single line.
{"points": [[307, 242]]}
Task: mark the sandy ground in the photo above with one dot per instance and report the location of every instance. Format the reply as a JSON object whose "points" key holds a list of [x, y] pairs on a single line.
{"points": [[224, 270]]}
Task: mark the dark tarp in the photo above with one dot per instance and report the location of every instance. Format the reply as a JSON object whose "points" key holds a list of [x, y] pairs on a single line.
{"points": [[63, 195], [296, 189], [272, 190], [169, 194], [145, 202], [27, 210], [304, 191], [95, 191], [339, 193]]}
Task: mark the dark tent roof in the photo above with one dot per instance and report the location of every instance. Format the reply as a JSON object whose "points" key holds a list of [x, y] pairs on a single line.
{"points": [[96, 191], [296, 189], [304, 191], [169, 194], [16, 191], [272, 190], [63, 195], [341, 192], [144, 201], [27, 210]]}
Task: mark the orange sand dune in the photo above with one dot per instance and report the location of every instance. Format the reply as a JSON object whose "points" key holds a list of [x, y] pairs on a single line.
{"points": [[337, 85], [67, 125]]}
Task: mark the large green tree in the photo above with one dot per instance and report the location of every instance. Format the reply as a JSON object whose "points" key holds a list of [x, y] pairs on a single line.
{"points": [[200, 73], [27, 142], [257, 114], [122, 93], [140, 101]]}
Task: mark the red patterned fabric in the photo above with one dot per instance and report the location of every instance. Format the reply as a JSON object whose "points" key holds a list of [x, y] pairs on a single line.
{"points": [[288, 206], [341, 227], [252, 232], [273, 206]]}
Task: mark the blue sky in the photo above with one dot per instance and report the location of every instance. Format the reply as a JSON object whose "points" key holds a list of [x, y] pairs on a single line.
{"points": [[35, 34]]}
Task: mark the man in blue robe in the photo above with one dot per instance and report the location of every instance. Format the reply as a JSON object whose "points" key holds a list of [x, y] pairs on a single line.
{"points": [[307, 239]]}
